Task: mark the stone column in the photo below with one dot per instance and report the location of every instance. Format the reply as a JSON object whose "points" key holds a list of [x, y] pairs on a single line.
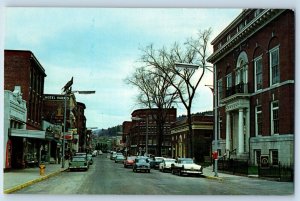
{"points": [[247, 129], [241, 133], [228, 132]]}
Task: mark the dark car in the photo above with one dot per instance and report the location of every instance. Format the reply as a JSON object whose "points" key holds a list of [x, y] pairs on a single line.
{"points": [[155, 162], [141, 164]]}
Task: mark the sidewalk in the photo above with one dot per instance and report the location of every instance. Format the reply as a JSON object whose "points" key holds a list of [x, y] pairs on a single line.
{"points": [[17, 179], [210, 174]]}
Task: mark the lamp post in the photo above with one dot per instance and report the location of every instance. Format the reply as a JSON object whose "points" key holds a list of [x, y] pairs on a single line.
{"points": [[195, 67], [67, 90], [143, 119]]}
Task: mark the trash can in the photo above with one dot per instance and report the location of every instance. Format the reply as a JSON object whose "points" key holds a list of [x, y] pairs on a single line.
{"points": [[42, 169]]}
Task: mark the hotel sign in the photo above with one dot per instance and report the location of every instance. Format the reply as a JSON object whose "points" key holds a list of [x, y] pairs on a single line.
{"points": [[55, 97]]}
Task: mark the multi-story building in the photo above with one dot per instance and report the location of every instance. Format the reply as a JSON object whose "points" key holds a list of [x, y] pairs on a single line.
{"points": [[81, 126], [126, 128], [21, 68], [254, 66], [202, 126], [14, 118], [145, 129]]}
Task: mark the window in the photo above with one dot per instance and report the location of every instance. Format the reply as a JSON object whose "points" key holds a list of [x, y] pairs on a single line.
{"points": [[228, 37], [229, 81], [274, 157], [258, 119], [220, 90], [274, 117], [258, 73], [220, 126], [257, 12], [274, 66], [257, 154]]}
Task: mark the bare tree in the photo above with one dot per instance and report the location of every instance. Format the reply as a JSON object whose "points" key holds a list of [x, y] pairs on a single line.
{"points": [[154, 92], [184, 80]]}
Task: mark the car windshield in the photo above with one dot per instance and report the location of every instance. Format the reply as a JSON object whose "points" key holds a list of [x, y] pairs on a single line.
{"points": [[142, 160], [78, 159], [130, 158], [169, 160]]}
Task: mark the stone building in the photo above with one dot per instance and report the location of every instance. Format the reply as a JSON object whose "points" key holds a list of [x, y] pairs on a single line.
{"points": [[202, 126]]}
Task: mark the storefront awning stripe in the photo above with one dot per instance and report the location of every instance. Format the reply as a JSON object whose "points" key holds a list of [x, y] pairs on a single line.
{"points": [[27, 133]]}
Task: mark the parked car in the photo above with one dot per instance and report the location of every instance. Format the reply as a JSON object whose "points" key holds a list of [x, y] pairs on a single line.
{"points": [[141, 164], [114, 154], [129, 161], [119, 158], [186, 166], [90, 159], [155, 162], [78, 162], [165, 165]]}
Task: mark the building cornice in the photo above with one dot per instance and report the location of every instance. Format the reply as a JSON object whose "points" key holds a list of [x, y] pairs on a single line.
{"points": [[251, 28]]}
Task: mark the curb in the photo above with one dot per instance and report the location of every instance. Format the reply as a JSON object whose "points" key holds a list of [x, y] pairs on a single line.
{"points": [[213, 178], [21, 186]]}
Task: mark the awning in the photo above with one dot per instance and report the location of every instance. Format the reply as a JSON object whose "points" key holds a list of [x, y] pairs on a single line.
{"points": [[38, 134]]}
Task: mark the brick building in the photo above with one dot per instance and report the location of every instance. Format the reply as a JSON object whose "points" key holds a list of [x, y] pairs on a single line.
{"points": [[81, 126], [202, 125], [126, 128], [254, 62], [147, 128], [21, 68]]}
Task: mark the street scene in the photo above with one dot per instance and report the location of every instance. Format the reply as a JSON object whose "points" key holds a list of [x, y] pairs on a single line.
{"points": [[149, 101], [105, 177]]}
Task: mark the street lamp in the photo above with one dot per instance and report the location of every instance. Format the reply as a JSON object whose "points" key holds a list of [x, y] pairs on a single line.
{"points": [[209, 68], [67, 90], [143, 119]]}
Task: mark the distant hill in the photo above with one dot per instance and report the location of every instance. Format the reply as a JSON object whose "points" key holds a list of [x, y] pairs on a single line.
{"points": [[113, 131]]}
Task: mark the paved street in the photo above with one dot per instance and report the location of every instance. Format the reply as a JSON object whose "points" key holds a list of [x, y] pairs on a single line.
{"points": [[108, 178]]}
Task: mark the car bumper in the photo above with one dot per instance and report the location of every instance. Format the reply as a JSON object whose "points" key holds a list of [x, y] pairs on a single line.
{"points": [[78, 167], [192, 171]]}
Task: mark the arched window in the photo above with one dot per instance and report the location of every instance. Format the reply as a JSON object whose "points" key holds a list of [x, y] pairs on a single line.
{"points": [[241, 75]]}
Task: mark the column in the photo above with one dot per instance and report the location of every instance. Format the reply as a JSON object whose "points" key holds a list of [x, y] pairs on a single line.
{"points": [[241, 133], [247, 130], [228, 132]]}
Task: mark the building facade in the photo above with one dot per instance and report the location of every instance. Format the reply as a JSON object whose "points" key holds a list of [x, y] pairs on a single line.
{"points": [[254, 66], [21, 68], [202, 125], [81, 126], [144, 134], [15, 114]]}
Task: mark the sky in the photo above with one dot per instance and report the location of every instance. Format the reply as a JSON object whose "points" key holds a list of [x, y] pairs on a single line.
{"points": [[100, 48]]}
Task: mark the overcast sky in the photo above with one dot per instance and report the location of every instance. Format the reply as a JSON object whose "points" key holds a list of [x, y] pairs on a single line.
{"points": [[100, 47]]}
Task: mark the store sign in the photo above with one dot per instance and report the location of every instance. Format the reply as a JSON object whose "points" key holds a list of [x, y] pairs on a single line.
{"points": [[56, 97]]}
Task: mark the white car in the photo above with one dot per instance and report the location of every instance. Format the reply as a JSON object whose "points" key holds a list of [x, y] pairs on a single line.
{"points": [[165, 165], [186, 166]]}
